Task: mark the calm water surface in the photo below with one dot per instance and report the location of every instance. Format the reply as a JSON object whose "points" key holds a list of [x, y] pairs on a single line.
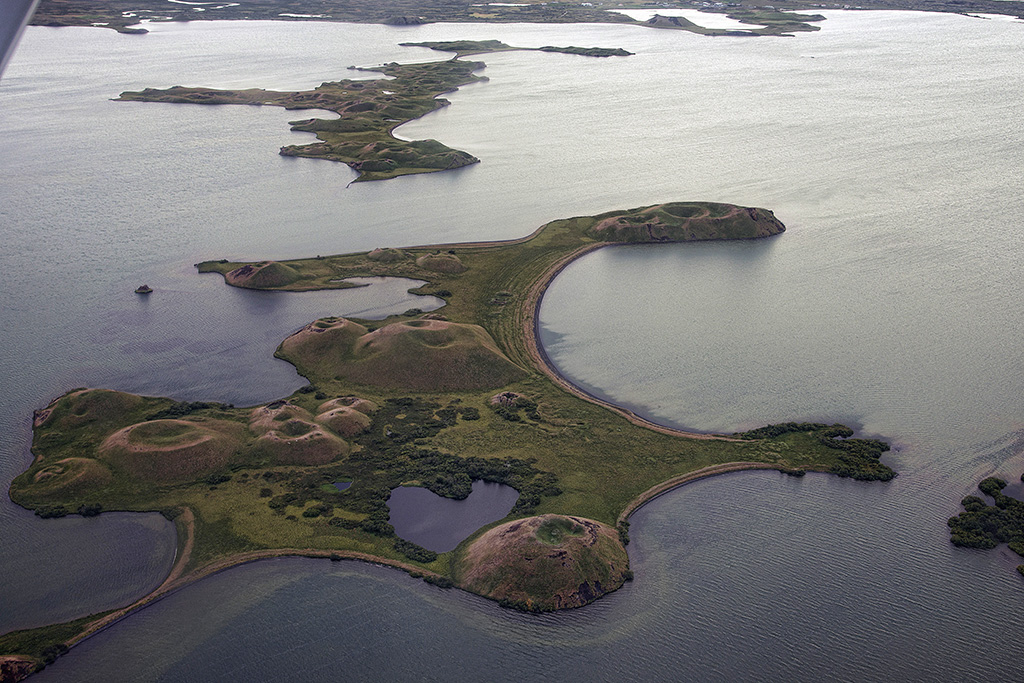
{"points": [[887, 142], [440, 524]]}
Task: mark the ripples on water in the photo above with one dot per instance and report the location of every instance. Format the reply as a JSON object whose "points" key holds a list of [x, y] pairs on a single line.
{"points": [[886, 142]]}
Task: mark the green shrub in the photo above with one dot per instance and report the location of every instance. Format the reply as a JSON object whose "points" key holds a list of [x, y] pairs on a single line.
{"points": [[51, 511], [90, 509], [414, 552], [439, 581]]}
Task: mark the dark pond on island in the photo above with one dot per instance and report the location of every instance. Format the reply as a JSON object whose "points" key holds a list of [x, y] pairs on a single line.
{"points": [[440, 524]]}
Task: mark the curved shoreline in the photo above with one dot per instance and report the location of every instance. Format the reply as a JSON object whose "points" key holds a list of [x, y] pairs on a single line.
{"points": [[535, 350], [664, 487], [529, 313], [176, 580], [530, 325]]}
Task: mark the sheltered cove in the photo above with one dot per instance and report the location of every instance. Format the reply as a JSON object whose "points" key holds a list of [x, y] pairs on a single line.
{"points": [[582, 464]]}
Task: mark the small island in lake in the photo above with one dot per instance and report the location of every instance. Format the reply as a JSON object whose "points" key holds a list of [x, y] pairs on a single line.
{"points": [[476, 47], [437, 400]]}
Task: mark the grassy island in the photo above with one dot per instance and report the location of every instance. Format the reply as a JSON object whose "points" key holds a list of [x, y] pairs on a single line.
{"points": [[369, 111], [436, 400]]}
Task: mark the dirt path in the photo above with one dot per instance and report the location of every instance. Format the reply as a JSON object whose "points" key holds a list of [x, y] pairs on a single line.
{"points": [[188, 522]]}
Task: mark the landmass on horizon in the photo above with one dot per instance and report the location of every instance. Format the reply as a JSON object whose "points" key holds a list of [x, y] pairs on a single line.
{"points": [[777, 18]]}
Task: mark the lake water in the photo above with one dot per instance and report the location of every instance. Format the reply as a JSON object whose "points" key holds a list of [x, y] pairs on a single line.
{"points": [[889, 144], [440, 524]]}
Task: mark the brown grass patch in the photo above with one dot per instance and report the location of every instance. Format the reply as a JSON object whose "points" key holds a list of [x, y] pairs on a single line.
{"points": [[386, 255], [344, 421], [322, 343], [441, 263], [89, 406], [685, 221], [268, 274], [72, 475], [363, 405], [416, 355]]}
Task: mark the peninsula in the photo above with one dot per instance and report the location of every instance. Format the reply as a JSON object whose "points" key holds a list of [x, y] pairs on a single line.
{"points": [[369, 111], [437, 400]]}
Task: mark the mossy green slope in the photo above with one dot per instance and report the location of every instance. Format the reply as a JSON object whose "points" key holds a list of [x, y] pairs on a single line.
{"points": [[416, 355]]}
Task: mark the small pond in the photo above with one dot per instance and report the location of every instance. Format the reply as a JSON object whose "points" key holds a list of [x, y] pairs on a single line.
{"points": [[440, 524]]}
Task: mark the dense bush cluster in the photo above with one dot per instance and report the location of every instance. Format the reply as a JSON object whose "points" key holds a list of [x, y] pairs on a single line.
{"points": [[985, 526], [624, 532], [510, 411], [858, 459], [414, 552], [51, 511], [90, 509], [183, 408]]}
